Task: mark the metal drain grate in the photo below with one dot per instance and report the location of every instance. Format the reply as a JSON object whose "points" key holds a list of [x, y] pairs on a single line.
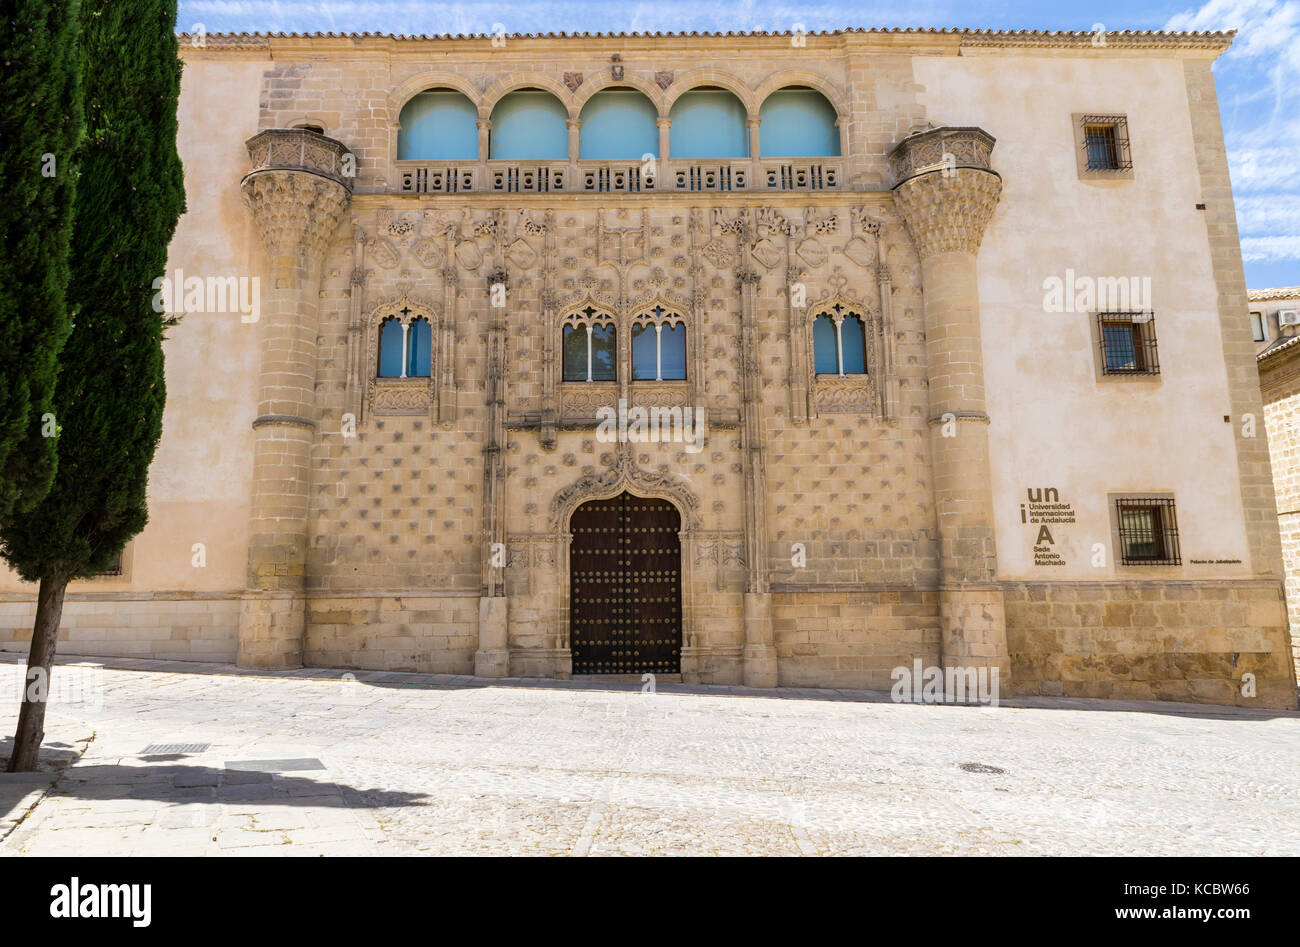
{"points": [[982, 768], [156, 748]]}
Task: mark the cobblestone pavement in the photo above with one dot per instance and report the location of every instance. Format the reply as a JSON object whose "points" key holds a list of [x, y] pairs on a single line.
{"points": [[307, 763]]}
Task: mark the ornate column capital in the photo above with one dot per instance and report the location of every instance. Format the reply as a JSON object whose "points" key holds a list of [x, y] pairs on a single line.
{"points": [[946, 190], [298, 190]]}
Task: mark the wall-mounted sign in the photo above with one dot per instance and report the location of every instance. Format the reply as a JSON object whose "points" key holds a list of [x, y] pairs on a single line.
{"points": [[1046, 511]]}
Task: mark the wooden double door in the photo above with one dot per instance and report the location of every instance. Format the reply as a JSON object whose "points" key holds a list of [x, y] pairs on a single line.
{"points": [[625, 587]]}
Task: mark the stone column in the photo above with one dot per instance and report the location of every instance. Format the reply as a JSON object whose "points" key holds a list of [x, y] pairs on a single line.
{"points": [[758, 660], [492, 658], [946, 193], [754, 124], [665, 126], [298, 194]]}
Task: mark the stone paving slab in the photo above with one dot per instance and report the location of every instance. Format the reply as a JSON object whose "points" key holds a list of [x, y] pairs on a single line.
{"points": [[445, 764]]}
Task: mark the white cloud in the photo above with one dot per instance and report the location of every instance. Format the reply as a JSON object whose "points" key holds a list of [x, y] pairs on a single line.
{"points": [[1270, 249]]}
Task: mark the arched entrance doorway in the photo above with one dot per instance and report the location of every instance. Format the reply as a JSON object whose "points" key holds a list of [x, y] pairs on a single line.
{"points": [[625, 593]]}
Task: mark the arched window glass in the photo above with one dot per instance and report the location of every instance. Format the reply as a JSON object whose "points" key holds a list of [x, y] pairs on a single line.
{"points": [[672, 351], [825, 358], [529, 124], [853, 345], [645, 352], [708, 123], [390, 348], [797, 123], [575, 353], [419, 348], [590, 348], [602, 352], [438, 125], [618, 123]]}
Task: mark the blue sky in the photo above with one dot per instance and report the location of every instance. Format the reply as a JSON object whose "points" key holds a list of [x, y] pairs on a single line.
{"points": [[1258, 79]]}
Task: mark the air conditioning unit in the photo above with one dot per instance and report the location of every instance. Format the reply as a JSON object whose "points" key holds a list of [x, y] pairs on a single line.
{"points": [[1289, 317]]}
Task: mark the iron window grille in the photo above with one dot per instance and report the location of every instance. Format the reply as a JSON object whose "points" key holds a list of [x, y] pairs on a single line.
{"points": [[1128, 343], [1148, 532], [115, 567], [1105, 143]]}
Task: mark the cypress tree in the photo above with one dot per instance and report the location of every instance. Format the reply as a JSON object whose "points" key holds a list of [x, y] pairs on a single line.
{"points": [[109, 400], [40, 126]]}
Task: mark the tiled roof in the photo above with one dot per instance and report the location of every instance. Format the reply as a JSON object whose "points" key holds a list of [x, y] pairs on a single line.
{"points": [[1281, 292], [1279, 345], [1129, 38]]}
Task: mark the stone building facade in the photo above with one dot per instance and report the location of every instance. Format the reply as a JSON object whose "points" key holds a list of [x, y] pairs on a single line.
{"points": [[915, 451], [1275, 324]]}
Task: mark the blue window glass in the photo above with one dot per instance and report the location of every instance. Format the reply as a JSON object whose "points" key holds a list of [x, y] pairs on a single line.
{"points": [[708, 123], [797, 123], [825, 361], [419, 346], [602, 352], [645, 355], [438, 125], [390, 349], [618, 123], [853, 341], [672, 351], [1121, 352], [529, 124]]}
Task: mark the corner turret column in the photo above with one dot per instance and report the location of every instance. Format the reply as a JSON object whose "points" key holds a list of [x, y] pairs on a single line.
{"points": [[298, 193], [946, 192]]}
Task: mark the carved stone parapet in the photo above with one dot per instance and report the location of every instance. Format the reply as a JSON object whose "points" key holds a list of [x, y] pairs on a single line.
{"points": [[300, 149], [923, 152]]}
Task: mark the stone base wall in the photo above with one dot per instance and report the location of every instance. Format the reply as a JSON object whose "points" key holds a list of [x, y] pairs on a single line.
{"points": [[853, 639], [1186, 641], [172, 629], [434, 634]]}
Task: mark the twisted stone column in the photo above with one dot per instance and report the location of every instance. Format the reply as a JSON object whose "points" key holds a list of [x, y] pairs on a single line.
{"points": [[298, 193], [946, 193]]}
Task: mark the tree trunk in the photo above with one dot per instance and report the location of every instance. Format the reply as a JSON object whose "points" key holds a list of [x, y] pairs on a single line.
{"points": [[36, 689]]}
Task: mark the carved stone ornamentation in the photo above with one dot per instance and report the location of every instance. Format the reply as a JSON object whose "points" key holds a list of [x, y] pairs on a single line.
{"points": [[941, 150], [663, 79], [852, 394], [946, 190], [428, 252], [297, 213], [716, 252], [573, 80], [398, 396], [948, 213], [624, 474]]}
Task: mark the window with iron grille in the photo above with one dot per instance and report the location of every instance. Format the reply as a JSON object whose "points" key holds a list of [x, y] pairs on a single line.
{"points": [[115, 567], [1105, 143], [1128, 343], [1148, 531]]}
